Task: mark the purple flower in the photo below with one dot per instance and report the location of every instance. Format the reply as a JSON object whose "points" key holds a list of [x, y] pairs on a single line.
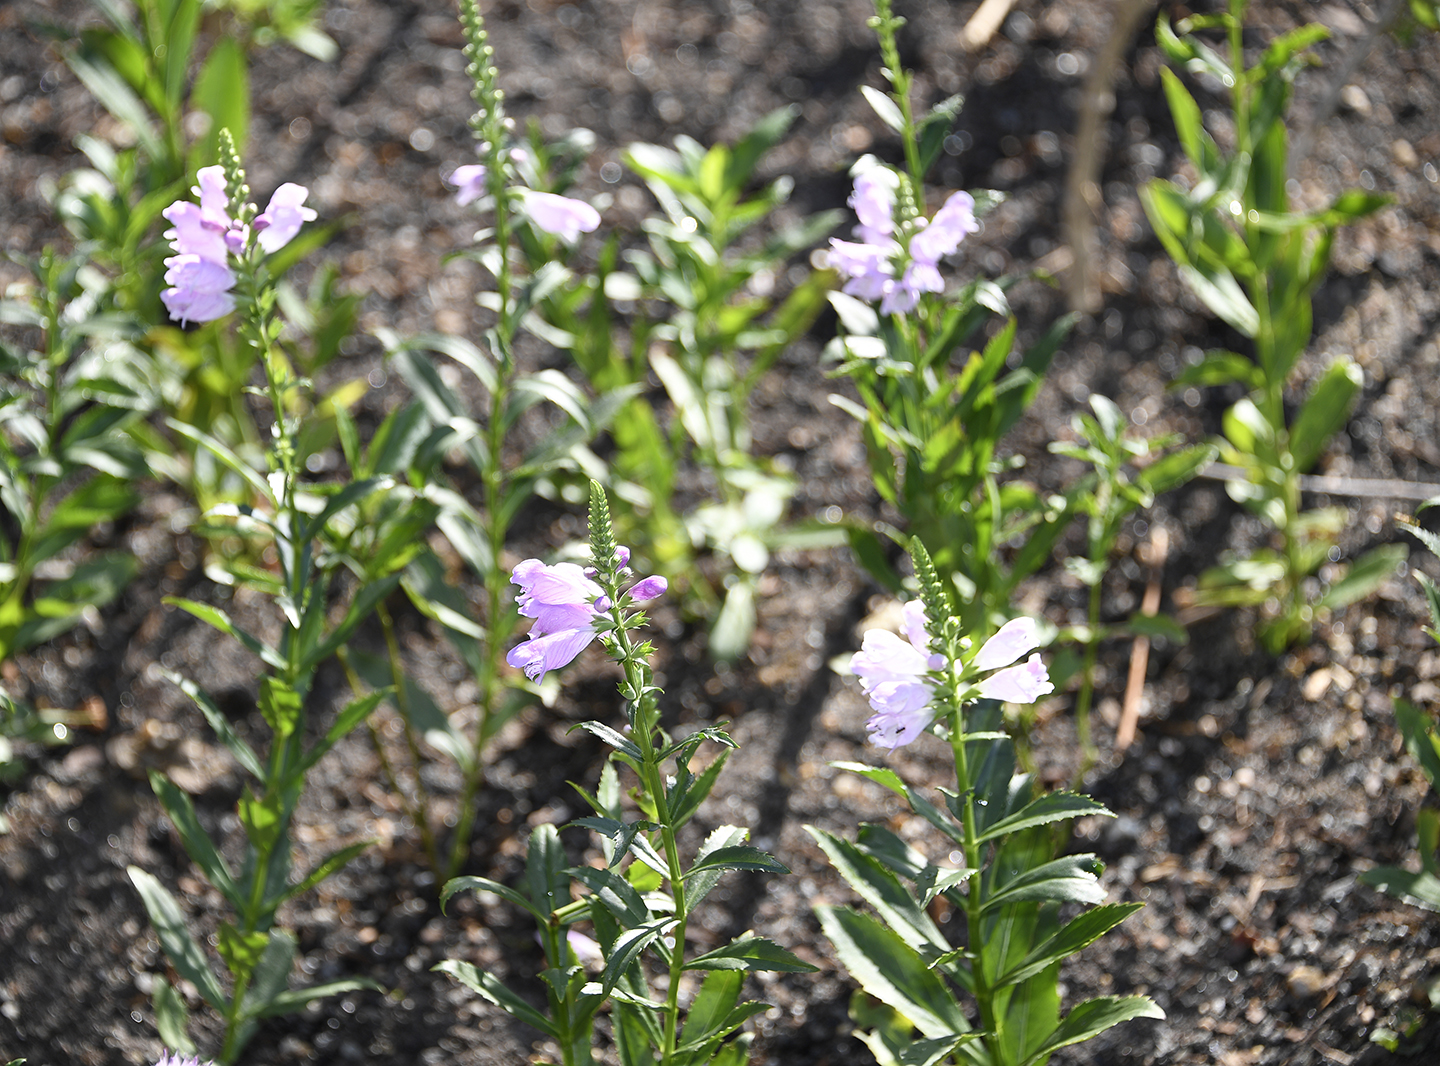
{"points": [[894, 672], [867, 266], [892, 675], [650, 588], [200, 289], [564, 602], [1014, 639], [1024, 683], [214, 204], [170, 1058], [282, 218], [470, 181], [560, 215], [192, 235], [874, 204], [945, 231]]}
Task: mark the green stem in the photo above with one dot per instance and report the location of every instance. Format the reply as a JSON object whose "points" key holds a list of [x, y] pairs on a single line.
{"points": [[644, 724], [974, 898]]}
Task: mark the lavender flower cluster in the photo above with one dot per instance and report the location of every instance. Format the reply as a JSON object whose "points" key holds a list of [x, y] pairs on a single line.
{"points": [[206, 236], [565, 602], [894, 674], [872, 264]]}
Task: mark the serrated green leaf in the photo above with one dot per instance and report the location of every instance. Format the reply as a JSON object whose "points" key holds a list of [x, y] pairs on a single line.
{"points": [[1092, 1018], [1069, 879], [491, 989], [1052, 807], [1079, 933], [750, 953], [892, 972], [738, 857], [880, 888], [484, 884]]}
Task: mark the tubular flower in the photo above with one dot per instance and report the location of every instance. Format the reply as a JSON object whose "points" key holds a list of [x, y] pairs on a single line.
{"points": [[205, 236], [282, 218], [564, 602], [560, 215], [894, 673], [871, 266], [170, 1058], [470, 181]]}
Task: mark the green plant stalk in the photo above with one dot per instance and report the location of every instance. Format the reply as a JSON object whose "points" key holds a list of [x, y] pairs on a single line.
{"points": [[644, 722], [974, 897], [885, 24], [296, 560], [488, 126]]}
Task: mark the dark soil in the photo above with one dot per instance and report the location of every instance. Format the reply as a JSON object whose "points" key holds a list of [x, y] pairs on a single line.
{"points": [[1257, 791]]}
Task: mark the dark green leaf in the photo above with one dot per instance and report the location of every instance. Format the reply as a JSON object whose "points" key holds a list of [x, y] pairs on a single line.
{"points": [[484, 884], [297, 999], [738, 857], [180, 947], [1092, 1018], [172, 1018], [1052, 807], [271, 975], [880, 888], [1079, 933], [617, 894], [244, 754], [1324, 412], [1365, 575], [1070, 879], [197, 842], [750, 953], [892, 972]]}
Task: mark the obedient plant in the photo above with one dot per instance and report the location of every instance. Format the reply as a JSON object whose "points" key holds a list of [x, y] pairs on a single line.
{"points": [[1255, 263], [667, 1006], [418, 438], [1004, 877], [931, 426], [291, 516]]}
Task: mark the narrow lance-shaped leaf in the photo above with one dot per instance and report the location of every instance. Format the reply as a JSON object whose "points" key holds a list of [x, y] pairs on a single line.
{"points": [[180, 947], [891, 972], [1092, 1018], [750, 953]]}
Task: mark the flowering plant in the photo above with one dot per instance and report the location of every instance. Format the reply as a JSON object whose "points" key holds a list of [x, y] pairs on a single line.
{"points": [[640, 903], [256, 952], [1005, 879]]}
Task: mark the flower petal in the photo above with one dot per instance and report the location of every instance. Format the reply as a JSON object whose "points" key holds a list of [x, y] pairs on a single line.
{"points": [[539, 654], [1025, 683], [1015, 638], [282, 218], [560, 215], [649, 589]]}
